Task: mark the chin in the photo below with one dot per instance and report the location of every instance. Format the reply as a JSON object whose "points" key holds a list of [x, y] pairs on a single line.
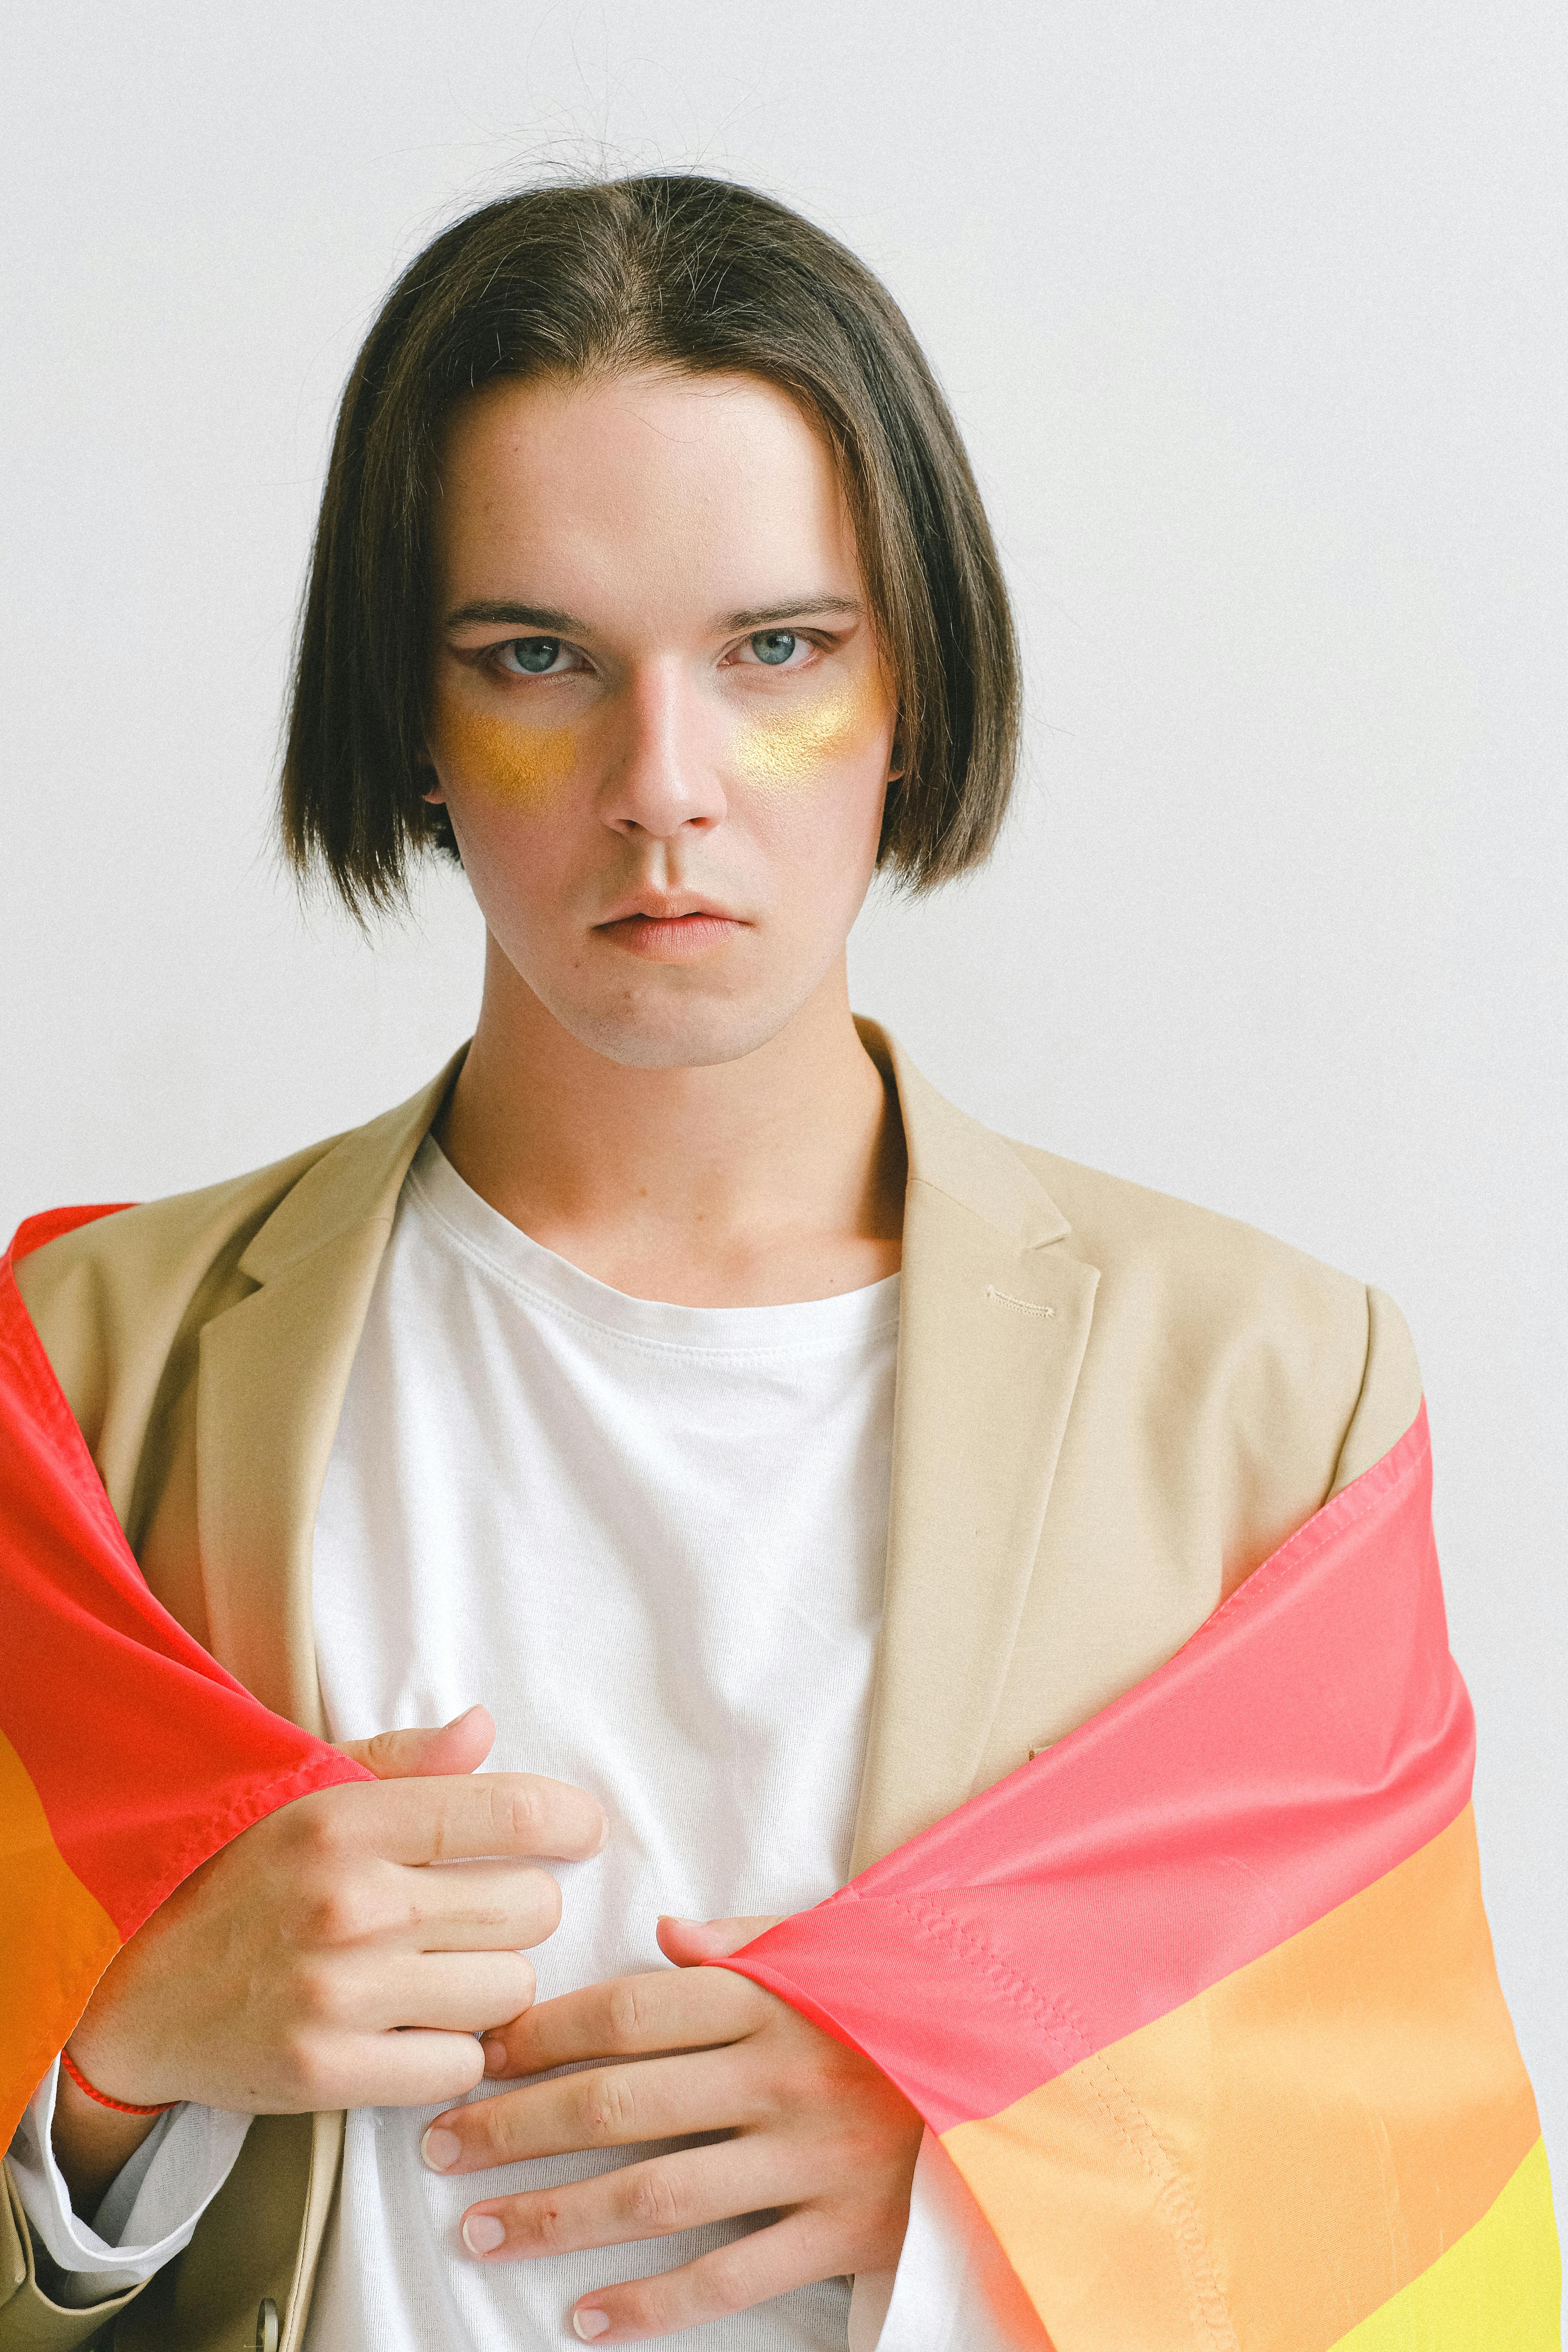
{"points": [[674, 1036]]}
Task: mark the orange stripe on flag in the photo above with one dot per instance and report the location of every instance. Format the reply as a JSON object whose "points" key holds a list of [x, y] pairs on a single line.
{"points": [[55, 1940], [1273, 2161]]}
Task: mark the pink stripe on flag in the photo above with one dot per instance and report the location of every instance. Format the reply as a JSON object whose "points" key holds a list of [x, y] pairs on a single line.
{"points": [[1314, 1734]]}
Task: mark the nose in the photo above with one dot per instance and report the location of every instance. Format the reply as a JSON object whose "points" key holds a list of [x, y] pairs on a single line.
{"points": [[663, 776]]}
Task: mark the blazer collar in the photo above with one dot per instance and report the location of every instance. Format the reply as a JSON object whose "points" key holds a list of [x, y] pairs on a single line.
{"points": [[994, 1323]]}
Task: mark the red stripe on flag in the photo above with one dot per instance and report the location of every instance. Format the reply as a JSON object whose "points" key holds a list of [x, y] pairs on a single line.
{"points": [[145, 1755]]}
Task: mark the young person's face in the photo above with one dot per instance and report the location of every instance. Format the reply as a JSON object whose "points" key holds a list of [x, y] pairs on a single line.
{"points": [[660, 723]]}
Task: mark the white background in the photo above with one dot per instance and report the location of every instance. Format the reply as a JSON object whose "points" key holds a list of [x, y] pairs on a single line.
{"points": [[1253, 315]]}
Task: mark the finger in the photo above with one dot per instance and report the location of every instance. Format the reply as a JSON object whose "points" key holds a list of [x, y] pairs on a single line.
{"points": [[455, 1819], [792, 2253], [417, 2069], [668, 2010], [690, 1942], [460, 1746], [610, 2106], [450, 1992], [464, 1907], [668, 2193]]}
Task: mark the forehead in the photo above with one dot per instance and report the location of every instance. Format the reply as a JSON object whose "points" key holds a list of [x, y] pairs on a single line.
{"points": [[717, 486]]}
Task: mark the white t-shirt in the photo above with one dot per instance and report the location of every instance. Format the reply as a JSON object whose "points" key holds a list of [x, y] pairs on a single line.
{"points": [[651, 1540]]}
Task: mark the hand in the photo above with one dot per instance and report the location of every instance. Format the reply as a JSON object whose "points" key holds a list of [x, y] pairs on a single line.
{"points": [[816, 2131], [317, 1961]]}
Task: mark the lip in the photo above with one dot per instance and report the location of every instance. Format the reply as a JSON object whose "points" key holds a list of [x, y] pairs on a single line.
{"points": [[677, 927], [664, 906], [664, 937]]}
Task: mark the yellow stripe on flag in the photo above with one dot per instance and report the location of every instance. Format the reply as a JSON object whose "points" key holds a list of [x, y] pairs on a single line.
{"points": [[1496, 2289]]}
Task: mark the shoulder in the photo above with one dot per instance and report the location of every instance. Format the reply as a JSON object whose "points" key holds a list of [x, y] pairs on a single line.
{"points": [[157, 1248], [119, 1303], [1218, 1310], [1211, 1264], [109, 1299]]}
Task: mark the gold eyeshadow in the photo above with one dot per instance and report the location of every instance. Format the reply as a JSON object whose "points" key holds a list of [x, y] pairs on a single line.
{"points": [[777, 749], [774, 750], [514, 761]]}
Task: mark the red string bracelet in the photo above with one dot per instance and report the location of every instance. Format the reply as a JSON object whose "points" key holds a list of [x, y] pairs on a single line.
{"points": [[121, 2107]]}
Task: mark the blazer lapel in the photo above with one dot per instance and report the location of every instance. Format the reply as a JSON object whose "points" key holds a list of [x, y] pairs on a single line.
{"points": [[270, 1388], [994, 1323]]}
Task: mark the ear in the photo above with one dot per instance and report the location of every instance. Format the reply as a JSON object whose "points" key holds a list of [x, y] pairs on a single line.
{"points": [[421, 758]]}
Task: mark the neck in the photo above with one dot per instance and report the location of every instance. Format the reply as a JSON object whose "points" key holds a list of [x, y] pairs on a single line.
{"points": [[773, 1177]]}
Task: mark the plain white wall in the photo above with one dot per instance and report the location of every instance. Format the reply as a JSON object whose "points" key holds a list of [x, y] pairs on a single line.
{"points": [[1253, 317]]}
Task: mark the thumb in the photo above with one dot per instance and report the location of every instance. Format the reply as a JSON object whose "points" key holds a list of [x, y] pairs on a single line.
{"points": [[690, 1942], [460, 1746]]}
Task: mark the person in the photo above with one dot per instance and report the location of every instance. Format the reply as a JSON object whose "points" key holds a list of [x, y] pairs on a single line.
{"points": [[744, 1454]]}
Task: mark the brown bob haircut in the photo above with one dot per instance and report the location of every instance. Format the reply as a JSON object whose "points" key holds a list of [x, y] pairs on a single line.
{"points": [[660, 271]]}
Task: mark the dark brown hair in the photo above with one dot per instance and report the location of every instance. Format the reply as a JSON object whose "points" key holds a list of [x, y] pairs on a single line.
{"points": [[666, 271]]}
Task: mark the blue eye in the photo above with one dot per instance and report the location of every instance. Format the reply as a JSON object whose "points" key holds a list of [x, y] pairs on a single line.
{"points": [[535, 654], [775, 646]]}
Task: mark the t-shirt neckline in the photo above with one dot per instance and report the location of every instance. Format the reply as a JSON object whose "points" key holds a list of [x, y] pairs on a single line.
{"points": [[435, 1192]]}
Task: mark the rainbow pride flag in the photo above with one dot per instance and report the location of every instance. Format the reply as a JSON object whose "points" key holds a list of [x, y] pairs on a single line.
{"points": [[1201, 2000]]}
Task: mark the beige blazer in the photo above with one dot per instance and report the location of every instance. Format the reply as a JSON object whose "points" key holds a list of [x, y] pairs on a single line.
{"points": [[1110, 1407]]}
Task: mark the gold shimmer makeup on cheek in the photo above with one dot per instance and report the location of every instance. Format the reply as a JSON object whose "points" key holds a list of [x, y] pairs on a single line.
{"points": [[515, 761], [777, 749]]}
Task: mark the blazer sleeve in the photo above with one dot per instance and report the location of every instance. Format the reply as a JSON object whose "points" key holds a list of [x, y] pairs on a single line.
{"points": [[1390, 1395]]}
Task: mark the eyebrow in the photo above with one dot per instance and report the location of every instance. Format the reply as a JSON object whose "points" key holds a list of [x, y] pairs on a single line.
{"points": [[546, 616], [803, 608], [525, 616]]}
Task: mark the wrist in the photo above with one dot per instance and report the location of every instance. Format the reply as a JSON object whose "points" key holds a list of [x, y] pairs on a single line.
{"points": [[101, 2098], [92, 2142]]}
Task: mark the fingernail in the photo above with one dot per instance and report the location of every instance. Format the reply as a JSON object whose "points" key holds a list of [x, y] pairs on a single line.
{"points": [[495, 2056], [482, 2233], [676, 1922], [459, 1718], [604, 1842], [589, 2324], [440, 2149]]}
